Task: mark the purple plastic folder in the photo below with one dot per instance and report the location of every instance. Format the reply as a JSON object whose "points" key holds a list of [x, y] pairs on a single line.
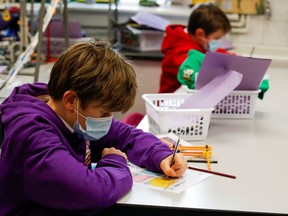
{"points": [[57, 29], [252, 69], [214, 91]]}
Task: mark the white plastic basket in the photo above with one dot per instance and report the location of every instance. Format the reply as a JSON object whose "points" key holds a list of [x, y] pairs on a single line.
{"points": [[236, 105], [164, 117], [141, 40]]}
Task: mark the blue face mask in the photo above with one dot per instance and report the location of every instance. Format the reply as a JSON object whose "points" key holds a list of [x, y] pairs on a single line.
{"points": [[214, 44], [96, 128]]}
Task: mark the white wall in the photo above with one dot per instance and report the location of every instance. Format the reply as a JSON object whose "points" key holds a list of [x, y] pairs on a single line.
{"points": [[268, 32]]}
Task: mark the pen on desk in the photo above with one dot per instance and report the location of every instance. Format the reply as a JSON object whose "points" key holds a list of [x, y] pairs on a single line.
{"points": [[212, 172], [202, 161], [194, 148], [252, 51], [175, 151]]}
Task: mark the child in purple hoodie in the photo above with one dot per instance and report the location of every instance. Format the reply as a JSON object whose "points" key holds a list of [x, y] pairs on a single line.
{"points": [[53, 132]]}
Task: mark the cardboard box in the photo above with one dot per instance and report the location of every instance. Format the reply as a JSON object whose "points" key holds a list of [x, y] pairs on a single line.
{"points": [[141, 40], [241, 6]]}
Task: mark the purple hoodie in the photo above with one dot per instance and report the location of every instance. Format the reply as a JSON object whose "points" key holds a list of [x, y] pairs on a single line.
{"points": [[41, 161]]}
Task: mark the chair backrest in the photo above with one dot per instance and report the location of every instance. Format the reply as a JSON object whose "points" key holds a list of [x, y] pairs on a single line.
{"points": [[1, 131], [133, 118]]}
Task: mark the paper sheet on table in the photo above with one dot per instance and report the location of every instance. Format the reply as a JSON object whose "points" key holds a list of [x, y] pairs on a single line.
{"points": [[171, 139], [252, 69], [142, 177], [213, 92], [151, 20], [2, 69]]}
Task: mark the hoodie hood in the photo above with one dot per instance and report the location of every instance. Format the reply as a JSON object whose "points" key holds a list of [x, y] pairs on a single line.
{"points": [[176, 37], [23, 104], [23, 100]]}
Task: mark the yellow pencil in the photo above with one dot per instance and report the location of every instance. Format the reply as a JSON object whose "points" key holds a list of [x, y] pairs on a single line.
{"points": [[208, 163]]}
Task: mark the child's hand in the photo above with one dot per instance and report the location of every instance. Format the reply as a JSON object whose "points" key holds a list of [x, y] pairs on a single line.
{"points": [[177, 169], [112, 150]]}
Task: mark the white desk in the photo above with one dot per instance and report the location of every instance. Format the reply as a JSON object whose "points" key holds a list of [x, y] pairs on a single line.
{"points": [[254, 150]]}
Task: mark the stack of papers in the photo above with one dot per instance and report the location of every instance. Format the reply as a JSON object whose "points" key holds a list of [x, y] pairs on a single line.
{"points": [[153, 21]]}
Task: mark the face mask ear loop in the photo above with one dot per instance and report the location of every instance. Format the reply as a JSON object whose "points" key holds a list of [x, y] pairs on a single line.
{"points": [[77, 106], [78, 113], [77, 117]]}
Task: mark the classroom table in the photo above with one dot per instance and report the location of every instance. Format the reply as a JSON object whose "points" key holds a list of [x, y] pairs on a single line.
{"points": [[254, 150]]}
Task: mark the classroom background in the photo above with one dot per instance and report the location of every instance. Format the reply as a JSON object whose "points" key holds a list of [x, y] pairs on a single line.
{"points": [[262, 33], [254, 149]]}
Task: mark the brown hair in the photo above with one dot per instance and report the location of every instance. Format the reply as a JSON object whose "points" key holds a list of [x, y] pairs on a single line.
{"points": [[97, 74], [208, 17]]}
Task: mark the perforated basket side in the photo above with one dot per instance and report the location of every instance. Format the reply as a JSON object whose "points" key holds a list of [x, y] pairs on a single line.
{"points": [[194, 124], [236, 105], [163, 117]]}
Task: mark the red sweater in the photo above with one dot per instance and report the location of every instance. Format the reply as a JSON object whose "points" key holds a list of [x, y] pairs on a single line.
{"points": [[175, 47]]}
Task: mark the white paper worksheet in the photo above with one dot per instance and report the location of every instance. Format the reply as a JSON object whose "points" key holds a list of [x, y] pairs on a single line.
{"points": [[142, 177]]}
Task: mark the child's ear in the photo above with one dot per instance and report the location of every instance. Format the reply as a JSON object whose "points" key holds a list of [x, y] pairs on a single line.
{"points": [[200, 33], [70, 100], [200, 37]]}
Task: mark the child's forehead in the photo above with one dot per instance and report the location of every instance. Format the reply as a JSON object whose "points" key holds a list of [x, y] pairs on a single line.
{"points": [[96, 104], [216, 34], [100, 106]]}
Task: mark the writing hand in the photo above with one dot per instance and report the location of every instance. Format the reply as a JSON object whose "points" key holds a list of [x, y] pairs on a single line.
{"points": [[177, 169]]}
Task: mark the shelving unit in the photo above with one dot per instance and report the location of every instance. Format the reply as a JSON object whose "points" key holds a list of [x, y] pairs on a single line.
{"points": [[23, 58]]}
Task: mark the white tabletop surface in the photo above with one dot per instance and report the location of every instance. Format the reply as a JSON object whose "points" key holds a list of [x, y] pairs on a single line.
{"points": [[254, 150]]}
